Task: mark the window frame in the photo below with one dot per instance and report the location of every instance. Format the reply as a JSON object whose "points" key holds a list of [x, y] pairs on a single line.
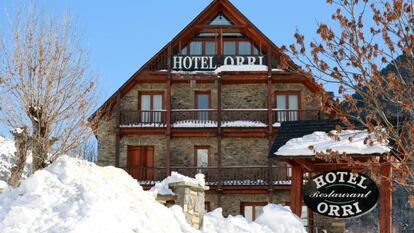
{"points": [[196, 93], [253, 205], [151, 93], [196, 148]]}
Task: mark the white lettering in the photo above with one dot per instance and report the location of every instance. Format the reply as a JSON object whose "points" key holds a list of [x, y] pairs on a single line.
{"points": [[330, 177], [188, 63], [261, 60], [204, 63], [361, 182], [211, 64], [334, 211], [177, 64], [227, 59], [322, 207], [240, 61], [356, 205], [347, 210], [352, 178], [341, 176], [196, 61], [319, 181]]}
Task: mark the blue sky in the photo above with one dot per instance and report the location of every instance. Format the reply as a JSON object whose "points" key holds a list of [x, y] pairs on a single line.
{"points": [[123, 34]]}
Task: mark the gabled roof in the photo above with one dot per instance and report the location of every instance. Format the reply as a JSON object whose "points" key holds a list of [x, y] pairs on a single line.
{"points": [[202, 19]]}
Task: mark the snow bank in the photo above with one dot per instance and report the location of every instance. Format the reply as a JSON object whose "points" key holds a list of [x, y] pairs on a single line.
{"points": [[321, 141], [77, 196], [7, 159], [3, 185], [275, 219], [280, 220], [162, 187]]}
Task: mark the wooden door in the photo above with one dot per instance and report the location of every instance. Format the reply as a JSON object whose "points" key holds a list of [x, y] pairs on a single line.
{"points": [[140, 162]]}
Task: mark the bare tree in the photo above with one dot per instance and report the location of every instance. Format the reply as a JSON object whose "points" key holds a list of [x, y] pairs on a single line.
{"points": [[22, 142], [45, 83], [352, 51]]}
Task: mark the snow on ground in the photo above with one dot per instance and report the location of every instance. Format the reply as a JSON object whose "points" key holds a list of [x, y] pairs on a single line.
{"points": [[321, 141], [163, 189], [275, 219], [77, 196], [7, 159], [73, 195]]}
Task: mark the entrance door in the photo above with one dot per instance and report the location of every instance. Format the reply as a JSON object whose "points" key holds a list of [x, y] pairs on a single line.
{"points": [[140, 162]]}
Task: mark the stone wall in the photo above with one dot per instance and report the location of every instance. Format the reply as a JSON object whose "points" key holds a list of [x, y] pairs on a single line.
{"points": [[191, 198], [106, 142], [244, 151], [247, 96], [182, 150], [183, 94]]}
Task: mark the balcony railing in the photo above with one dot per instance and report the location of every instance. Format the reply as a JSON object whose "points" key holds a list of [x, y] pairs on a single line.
{"points": [[194, 118], [240, 175]]}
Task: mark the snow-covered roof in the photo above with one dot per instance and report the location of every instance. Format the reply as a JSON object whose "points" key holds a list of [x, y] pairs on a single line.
{"points": [[350, 142]]}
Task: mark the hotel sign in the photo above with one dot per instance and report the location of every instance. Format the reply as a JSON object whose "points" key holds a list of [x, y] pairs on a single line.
{"points": [[209, 63], [341, 194]]}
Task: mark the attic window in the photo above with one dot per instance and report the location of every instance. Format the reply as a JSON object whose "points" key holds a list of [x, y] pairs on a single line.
{"points": [[220, 19]]}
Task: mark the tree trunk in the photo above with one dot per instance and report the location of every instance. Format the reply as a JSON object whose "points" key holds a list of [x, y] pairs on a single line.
{"points": [[22, 143]]}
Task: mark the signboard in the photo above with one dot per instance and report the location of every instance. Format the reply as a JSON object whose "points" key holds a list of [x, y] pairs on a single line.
{"points": [[341, 194], [209, 63]]}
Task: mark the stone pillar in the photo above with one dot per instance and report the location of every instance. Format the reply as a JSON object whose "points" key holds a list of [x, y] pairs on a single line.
{"points": [[191, 198]]}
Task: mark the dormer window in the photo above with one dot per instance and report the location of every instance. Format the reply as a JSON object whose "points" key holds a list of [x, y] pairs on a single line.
{"points": [[221, 20]]}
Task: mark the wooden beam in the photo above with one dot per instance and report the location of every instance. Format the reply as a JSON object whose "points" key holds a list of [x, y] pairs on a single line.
{"points": [[117, 130], [385, 207], [168, 120], [296, 189]]}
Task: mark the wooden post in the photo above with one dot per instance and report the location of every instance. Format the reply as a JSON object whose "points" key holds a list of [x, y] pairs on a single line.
{"points": [[117, 130], [219, 134], [296, 189], [168, 118], [385, 207], [269, 122]]}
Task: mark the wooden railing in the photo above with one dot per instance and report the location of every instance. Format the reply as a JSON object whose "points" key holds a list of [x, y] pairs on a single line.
{"points": [[235, 175], [194, 118]]}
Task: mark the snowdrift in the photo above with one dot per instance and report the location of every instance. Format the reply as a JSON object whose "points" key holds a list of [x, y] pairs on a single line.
{"points": [[73, 195]]}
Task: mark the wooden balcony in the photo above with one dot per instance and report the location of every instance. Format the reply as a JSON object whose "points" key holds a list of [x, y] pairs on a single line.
{"points": [[230, 176], [230, 118]]}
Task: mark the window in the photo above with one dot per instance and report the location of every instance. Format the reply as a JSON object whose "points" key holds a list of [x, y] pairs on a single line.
{"points": [[229, 48], [245, 48], [196, 48], [202, 102], [220, 19], [287, 104], [202, 156], [151, 107], [209, 48], [252, 210]]}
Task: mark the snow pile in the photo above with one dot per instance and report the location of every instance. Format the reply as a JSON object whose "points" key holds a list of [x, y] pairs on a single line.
{"points": [[275, 219], [7, 159], [241, 68], [162, 187], [350, 142], [77, 196]]}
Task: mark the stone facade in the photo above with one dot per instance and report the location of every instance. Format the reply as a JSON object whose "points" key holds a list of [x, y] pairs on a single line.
{"points": [[244, 151], [183, 94], [106, 142], [182, 150], [130, 100], [244, 96]]}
